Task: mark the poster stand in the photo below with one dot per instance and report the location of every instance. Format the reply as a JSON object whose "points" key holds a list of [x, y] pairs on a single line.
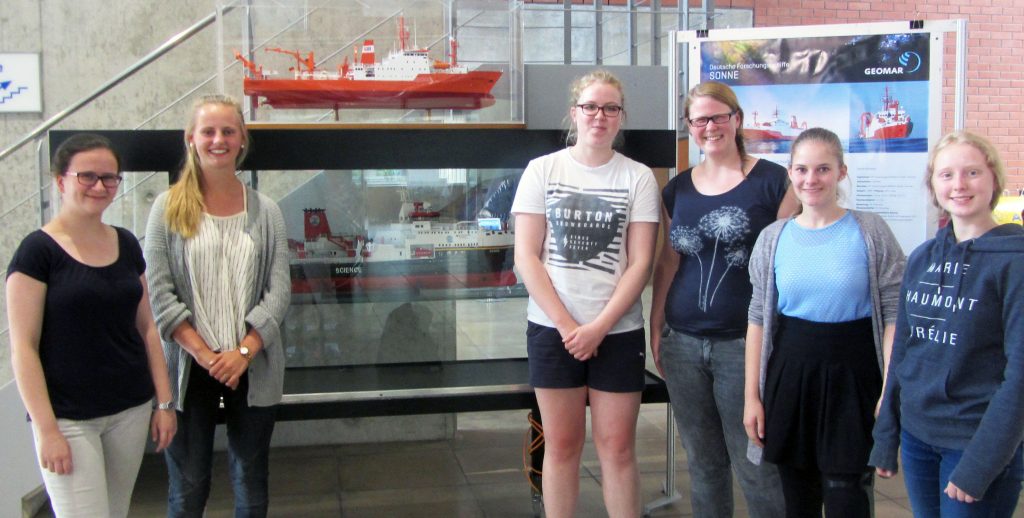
{"points": [[876, 85]]}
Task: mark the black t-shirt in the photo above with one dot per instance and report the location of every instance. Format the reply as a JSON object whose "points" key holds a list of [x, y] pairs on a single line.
{"points": [[93, 357], [713, 235]]}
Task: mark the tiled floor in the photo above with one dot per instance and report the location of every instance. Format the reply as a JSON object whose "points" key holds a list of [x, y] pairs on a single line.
{"points": [[477, 473]]}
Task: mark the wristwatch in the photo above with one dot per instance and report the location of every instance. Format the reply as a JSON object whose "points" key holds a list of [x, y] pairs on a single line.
{"points": [[169, 405], [246, 353]]}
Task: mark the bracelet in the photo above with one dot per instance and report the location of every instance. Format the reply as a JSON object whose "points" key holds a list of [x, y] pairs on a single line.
{"points": [[169, 405]]}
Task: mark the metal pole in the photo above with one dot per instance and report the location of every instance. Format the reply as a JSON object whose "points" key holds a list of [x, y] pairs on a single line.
{"points": [[655, 32], [567, 32], [669, 489], [631, 6], [45, 184], [960, 87]]}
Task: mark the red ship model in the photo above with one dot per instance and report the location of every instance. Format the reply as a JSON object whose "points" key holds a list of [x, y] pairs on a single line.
{"points": [[774, 129], [406, 79], [891, 121]]}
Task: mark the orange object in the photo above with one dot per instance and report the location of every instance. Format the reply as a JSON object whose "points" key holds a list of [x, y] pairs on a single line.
{"points": [[406, 78], [891, 121]]}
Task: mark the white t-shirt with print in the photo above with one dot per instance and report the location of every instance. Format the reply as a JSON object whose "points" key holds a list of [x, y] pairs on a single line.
{"points": [[588, 212]]}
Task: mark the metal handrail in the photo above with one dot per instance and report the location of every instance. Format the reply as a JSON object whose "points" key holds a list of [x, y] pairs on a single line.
{"points": [[146, 60], [208, 80], [181, 37]]}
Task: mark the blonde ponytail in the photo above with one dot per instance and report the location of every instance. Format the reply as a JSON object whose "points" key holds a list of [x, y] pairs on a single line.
{"points": [[185, 198]]}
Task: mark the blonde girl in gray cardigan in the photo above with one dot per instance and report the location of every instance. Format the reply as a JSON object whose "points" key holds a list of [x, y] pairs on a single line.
{"points": [[220, 288]]}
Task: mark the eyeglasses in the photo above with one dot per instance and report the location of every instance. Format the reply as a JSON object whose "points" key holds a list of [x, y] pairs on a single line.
{"points": [[89, 178], [700, 122], [609, 110]]}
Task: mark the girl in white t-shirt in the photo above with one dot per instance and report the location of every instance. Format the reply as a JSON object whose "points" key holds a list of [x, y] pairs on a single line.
{"points": [[586, 220]]}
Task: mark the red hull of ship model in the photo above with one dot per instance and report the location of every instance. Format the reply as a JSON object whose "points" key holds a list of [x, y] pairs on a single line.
{"points": [[437, 281], [754, 134], [898, 131], [427, 91], [891, 122], [773, 129], [431, 255]]}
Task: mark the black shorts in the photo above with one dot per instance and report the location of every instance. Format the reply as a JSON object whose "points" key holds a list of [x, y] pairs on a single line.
{"points": [[618, 366]]}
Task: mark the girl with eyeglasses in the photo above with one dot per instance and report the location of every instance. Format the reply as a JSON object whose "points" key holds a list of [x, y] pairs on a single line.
{"points": [[84, 348], [220, 290], [586, 221], [712, 214]]}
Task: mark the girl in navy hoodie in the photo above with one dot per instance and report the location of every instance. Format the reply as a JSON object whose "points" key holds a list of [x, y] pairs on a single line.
{"points": [[954, 395]]}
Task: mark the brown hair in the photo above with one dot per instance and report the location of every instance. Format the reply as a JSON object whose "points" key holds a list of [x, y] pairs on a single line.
{"points": [[723, 94], [992, 160], [185, 198], [79, 143], [822, 135]]}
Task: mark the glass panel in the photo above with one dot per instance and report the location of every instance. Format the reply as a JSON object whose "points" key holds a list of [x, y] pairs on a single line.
{"points": [[542, 35], [615, 35], [134, 200], [383, 262]]}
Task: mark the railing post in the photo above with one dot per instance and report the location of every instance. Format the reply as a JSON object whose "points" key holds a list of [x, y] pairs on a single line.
{"points": [[45, 194]]}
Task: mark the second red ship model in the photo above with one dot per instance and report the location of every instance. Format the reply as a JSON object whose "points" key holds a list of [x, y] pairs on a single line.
{"points": [[406, 79], [891, 121], [420, 251]]}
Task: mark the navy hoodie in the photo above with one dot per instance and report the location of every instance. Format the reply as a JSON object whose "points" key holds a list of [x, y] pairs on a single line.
{"points": [[956, 378]]}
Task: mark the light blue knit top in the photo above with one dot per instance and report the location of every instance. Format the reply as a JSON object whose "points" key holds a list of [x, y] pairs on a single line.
{"points": [[822, 273]]}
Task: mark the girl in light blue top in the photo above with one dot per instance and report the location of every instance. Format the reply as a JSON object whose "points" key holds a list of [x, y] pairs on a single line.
{"points": [[825, 287]]}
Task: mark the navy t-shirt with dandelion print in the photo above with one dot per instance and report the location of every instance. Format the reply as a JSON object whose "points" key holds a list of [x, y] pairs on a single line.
{"points": [[713, 236]]}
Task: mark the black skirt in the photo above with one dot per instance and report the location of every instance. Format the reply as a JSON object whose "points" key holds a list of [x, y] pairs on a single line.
{"points": [[820, 392]]}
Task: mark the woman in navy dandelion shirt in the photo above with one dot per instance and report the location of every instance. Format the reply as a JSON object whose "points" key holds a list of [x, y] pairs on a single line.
{"points": [[713, 213]]}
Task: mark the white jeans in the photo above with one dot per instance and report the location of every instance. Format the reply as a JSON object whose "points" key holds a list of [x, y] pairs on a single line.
{"points": [[106, 453]]}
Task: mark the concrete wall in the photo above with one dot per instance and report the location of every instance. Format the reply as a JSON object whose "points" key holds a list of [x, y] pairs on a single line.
{"points": [[82, 45]]}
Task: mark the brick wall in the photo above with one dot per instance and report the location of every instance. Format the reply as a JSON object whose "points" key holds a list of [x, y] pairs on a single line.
{"points": [[995, 56], [995, 53]]}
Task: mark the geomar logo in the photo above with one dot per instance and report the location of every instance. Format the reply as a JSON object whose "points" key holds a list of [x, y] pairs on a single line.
{"points": [[911, 61]]}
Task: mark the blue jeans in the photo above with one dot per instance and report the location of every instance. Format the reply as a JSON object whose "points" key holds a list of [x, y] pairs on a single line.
{"points": [[190, 455], [926, 471], [705, 384]]}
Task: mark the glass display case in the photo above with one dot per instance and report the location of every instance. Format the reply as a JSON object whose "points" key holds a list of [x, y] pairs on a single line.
{"points": [[388, 61], [373, 234], [425, 215], [381, 259]]}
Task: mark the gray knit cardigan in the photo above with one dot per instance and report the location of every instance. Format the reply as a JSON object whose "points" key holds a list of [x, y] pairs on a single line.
{"points": [[885, 273], [170, 294]]}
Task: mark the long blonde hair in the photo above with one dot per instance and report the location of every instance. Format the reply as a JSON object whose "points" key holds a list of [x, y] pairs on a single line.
{"points": [[185, 198]]}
